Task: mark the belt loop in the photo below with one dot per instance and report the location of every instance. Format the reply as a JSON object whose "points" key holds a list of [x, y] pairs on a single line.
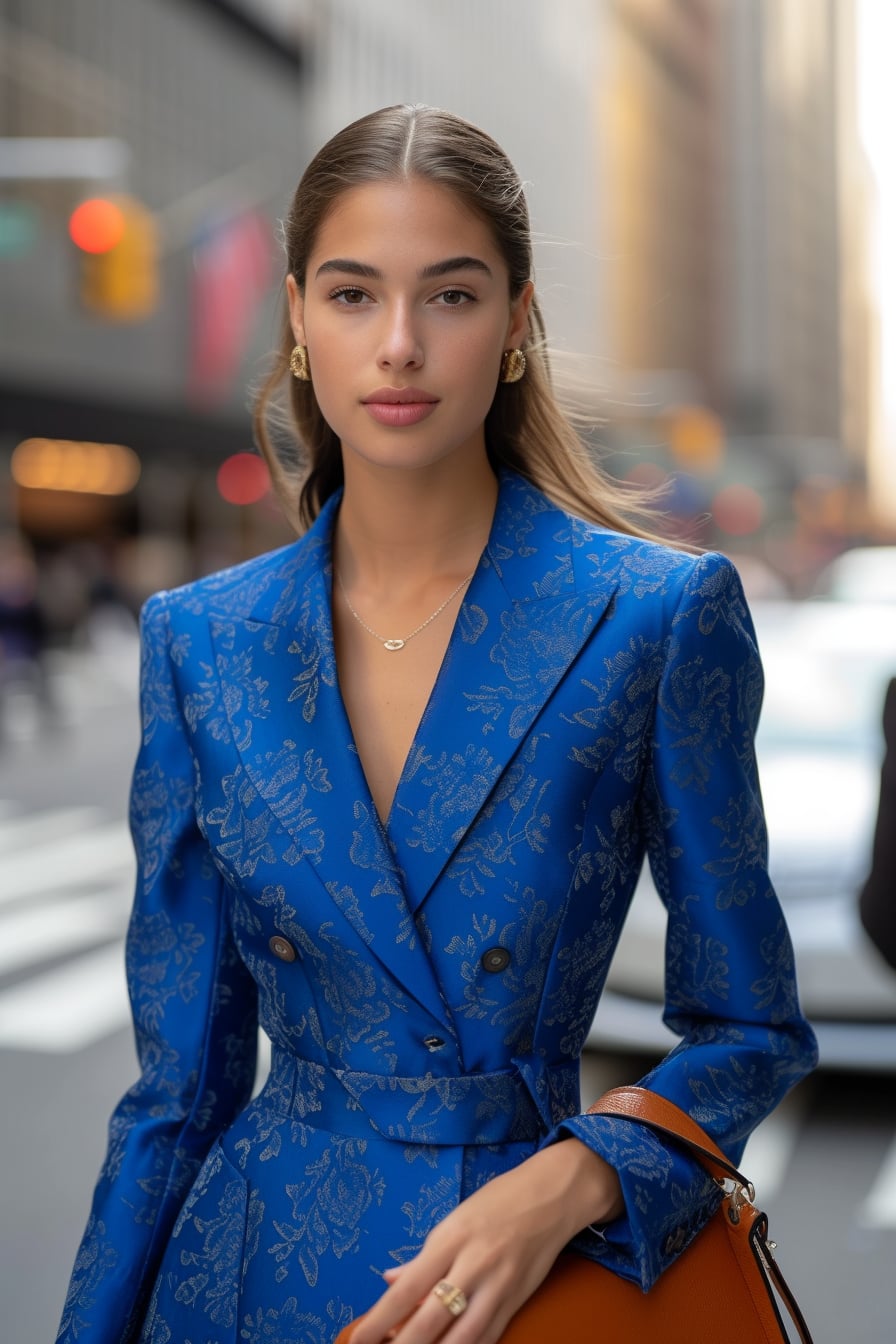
{"points": [[534, 1073]]}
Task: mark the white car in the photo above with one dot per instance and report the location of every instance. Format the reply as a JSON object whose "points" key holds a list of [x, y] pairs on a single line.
{"points": [[862, 574], [827, 665]]}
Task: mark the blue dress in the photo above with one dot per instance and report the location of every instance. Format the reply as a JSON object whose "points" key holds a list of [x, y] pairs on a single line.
{"points": [[427, 985]]}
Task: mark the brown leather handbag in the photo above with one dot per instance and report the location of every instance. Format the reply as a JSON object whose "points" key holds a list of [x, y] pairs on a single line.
{"points": [[724, 1289]]}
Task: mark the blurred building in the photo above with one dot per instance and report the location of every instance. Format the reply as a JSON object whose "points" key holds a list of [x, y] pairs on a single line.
{"points": [[798, 348], [192, 111], [734, 231], [661, 168], [796, 353]]}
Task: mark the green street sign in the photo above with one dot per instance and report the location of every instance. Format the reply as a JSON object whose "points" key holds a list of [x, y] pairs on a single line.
{"points": [[19, 227]]}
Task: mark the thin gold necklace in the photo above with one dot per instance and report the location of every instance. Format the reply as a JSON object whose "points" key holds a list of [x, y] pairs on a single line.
{"points": [[393, 645]]}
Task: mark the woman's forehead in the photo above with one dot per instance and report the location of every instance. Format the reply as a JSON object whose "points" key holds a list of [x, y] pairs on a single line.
{"points": [[409, 220]]}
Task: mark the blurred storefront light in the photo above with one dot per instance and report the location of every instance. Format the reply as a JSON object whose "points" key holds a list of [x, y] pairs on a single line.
{"points": [[696, 437], [738, 510], [76, 467], [243, 478]]}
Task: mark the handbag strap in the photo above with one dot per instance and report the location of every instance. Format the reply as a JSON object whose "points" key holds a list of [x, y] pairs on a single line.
{"points": [[648, 1108], [637, 1103]]}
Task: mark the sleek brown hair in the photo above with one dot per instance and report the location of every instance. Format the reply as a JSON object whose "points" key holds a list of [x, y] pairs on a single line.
{"points": [[525, 429]]}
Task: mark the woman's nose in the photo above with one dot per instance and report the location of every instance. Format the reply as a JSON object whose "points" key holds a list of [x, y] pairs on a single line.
{"points": [[400, 345]]}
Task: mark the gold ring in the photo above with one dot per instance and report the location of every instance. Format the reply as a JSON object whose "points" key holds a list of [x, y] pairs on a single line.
{"points": [[455, 1299]]}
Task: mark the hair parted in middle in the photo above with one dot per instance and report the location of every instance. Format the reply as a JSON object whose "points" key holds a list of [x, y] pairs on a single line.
{"points": [[526, 429]]}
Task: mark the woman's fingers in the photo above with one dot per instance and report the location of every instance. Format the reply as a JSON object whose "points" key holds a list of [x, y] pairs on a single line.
{"points": [[488, 1288], [406, 1292], [491, 1293]]}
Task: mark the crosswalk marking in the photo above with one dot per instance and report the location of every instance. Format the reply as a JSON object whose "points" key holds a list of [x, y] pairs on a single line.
{"points": [[67, 1008], [879, 1208], [17, 832], [74, 860], [770, 1147], [68, 924], [66, 881]]}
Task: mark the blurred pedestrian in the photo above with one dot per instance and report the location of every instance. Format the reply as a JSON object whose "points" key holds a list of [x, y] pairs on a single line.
{"points": [[23, 630], [877, 900], [396, 785]]}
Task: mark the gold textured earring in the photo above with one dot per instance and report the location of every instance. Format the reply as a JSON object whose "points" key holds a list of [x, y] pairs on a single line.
{"points": [[298, 364], [513, 366]]}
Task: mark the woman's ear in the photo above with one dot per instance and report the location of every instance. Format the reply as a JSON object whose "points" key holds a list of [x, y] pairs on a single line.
{"points": [[296, 301], [519, 317]]}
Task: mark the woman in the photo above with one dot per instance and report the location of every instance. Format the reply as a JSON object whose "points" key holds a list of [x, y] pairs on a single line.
{"points": [[395, 788]]}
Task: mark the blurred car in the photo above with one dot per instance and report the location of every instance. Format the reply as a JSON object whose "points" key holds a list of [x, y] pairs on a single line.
{"points": [[863, 574], [819, 747]]}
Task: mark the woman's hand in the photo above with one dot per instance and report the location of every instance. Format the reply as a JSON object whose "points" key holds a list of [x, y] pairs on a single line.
{"points": [[497, 1247]]}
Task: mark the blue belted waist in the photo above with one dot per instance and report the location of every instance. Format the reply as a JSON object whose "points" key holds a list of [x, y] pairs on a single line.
{"points": [[514, 1105]]}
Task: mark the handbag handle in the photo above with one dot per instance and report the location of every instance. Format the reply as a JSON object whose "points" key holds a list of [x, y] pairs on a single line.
{"points": [[637, 1103], [648, 1108]]}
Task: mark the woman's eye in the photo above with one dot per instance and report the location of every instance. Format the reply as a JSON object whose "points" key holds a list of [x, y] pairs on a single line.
{"points": [[453, 298], [349, 297]]}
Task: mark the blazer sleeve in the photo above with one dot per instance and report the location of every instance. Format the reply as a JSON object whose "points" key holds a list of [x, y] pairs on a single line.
{"points": [[730, 981], [195, 1017]]}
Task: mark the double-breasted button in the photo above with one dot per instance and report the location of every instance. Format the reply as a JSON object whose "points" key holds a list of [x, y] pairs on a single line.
{"points": [[282, 948], [495, 959], [433, 1042]]}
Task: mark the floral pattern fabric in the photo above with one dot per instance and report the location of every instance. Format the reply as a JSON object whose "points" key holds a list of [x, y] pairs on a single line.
{"points": [[597, 702]]}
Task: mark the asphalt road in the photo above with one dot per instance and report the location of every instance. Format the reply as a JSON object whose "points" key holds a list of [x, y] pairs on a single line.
{"points": [[824, 1164]]}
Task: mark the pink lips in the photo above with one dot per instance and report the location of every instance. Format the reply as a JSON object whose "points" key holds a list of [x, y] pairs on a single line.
{"points": [[400, 406]]}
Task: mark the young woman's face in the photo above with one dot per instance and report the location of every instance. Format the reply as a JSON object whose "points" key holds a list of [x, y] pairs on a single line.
{"points": [[405, 314]]}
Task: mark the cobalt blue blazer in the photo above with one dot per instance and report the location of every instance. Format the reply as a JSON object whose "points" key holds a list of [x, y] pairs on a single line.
{"points": [[427, 985]]}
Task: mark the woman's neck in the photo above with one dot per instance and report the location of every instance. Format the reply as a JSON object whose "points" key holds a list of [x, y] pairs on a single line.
{"points": [[397, 528]]}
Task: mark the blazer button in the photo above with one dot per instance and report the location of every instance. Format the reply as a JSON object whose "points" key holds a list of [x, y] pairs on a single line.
{"points": [[433, 1042], [495, 959], [282, 948]]}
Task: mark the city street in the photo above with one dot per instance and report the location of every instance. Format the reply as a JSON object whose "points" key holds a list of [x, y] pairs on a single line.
{"points": [[824, 1165]]}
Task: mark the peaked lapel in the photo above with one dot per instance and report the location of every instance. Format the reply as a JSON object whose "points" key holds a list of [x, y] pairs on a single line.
{"points": [[526, 615], [296, 747]]}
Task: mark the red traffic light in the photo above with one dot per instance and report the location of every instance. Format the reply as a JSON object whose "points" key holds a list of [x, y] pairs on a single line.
{"points": [[118, 262], [97, 225]]}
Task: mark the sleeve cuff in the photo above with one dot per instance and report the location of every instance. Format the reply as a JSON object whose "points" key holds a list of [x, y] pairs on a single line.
{"points": [[668, 1197]]}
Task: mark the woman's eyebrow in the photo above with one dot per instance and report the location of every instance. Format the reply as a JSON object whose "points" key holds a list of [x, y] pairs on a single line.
{"points": [[438, 268], [345, 266]]}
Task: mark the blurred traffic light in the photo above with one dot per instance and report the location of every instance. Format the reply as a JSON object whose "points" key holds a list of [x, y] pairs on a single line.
{"points": [[117, 241]]}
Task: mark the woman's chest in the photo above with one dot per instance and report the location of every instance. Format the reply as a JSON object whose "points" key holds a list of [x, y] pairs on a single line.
{"points": [[385, 693]]}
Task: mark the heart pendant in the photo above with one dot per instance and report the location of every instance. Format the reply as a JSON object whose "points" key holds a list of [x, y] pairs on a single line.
{"points": [[393, 644]]}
